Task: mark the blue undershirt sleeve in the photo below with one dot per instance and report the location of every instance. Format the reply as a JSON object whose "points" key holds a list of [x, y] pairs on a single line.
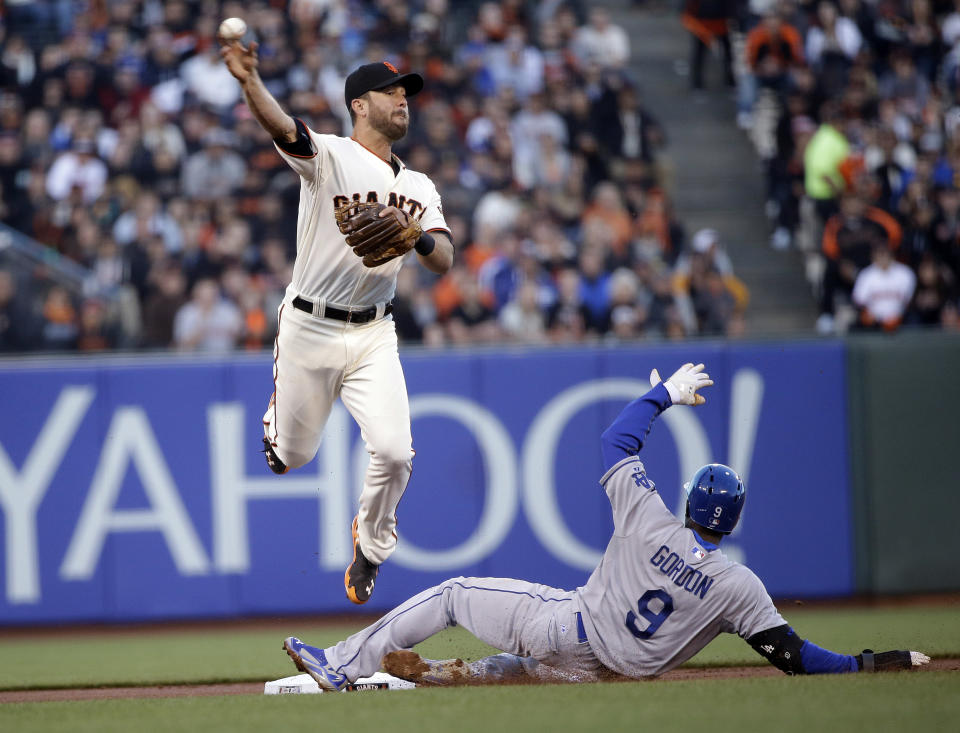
{"points": [[626, 434], [822, 661]]}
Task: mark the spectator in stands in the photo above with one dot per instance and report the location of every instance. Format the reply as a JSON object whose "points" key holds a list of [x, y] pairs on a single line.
{"points": [[216, 171], [708, 292], [146, 219], [18, 67], [945, 227], [883, 290], [36, 137], [58, 329], [713, 302], [773, 48], [602, 42], [917, 232], [822, 158], [259, 329], [932, 294], [904, 83], [785, 170], [923, 38], [17, 330], [515, 65], [521, 318], [595, 289], [409, 313], [207, 322], [531, 130], [501, 275], [635, 132], [206, 78], [608, 209], [168, 295], [705, 245], [78, 169], [96, 332], [568, 317], [849, 239], [627, 314], [664, 315], [472, 320], [708, 23], [832, 44]]}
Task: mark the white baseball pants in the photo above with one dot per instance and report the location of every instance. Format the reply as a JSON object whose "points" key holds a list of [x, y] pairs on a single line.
{"points": [[526, 619], [317, 360]]}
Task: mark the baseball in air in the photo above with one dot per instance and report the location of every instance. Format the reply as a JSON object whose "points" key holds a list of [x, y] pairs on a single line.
{"points": [[232, 29]]}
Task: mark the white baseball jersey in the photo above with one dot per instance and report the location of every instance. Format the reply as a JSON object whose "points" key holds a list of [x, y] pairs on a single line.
{"points": [[342, 169], [885, 293], [660, 594]]}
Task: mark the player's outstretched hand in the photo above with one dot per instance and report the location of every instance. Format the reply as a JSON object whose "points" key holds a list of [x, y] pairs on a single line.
{"points": [[684, 383], [241, 61], [889, 661]]}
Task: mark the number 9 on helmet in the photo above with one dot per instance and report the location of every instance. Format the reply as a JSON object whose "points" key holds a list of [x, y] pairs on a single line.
{"points": [[715, 497]]}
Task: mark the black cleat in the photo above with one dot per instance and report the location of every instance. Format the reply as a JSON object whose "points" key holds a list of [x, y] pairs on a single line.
{"points": [[361, 573], [276, 465]]}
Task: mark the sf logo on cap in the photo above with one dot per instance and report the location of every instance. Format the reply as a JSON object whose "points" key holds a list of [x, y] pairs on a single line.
{"points": [[391, 67]]}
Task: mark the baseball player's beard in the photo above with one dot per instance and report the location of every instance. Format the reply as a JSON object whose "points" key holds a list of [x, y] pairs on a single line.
{"points": [[386, 124]]}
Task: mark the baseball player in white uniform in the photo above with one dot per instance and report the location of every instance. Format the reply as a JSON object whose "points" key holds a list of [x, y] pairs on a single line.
{"points": [[336, 337], [662, 591]]}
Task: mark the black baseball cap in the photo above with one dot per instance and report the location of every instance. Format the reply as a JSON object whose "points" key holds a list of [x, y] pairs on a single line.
{"points": [[371, 77]]}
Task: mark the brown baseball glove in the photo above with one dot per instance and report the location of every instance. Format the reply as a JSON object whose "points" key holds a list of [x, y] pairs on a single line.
{"points": [[374, 238]]}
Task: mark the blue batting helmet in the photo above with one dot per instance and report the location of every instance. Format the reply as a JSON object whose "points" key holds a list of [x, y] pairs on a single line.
{"points": [[715, 497]]}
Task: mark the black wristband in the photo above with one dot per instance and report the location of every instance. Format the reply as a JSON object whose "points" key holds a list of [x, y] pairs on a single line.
{"points": [[425, 244], [302, 147]]}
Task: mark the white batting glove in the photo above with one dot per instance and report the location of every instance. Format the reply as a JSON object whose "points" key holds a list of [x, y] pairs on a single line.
{"points": [[684, 383], [918, 659]]}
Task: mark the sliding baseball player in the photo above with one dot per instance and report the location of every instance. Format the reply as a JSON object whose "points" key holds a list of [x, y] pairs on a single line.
{"points": [[662, 591]]}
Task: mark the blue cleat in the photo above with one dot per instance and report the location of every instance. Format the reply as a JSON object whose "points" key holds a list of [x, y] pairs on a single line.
{"points": [[314, 662]]}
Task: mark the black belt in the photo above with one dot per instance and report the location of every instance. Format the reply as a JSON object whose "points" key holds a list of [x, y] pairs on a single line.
{"points": [[361, 316], [581, 632]]}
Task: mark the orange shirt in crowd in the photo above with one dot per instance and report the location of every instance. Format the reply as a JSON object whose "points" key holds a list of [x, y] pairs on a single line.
{"points": [[785, 42], [831, 246]]}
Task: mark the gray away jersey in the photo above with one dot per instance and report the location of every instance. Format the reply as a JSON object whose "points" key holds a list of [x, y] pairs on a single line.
{"points": [[658, 595]]}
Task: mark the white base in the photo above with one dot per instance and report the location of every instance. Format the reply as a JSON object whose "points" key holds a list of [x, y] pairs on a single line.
{"points": [[304, 684]]}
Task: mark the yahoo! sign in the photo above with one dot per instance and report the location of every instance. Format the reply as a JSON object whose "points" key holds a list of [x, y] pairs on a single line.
{"points": [[134, 490]]}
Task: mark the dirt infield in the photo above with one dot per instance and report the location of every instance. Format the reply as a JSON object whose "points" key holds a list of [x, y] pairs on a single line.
{"points": [[256, 688], [118, 693]]}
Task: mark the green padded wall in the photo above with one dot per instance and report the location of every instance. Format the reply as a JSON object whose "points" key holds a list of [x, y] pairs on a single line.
{"points": [[904, 407]]}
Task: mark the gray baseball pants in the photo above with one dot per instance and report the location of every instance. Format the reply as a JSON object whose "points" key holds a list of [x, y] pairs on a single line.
{"points": [[526, 619]]}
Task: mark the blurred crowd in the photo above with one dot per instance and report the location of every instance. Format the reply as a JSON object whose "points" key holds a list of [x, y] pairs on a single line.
{"points": [[864, 170], [125, 145]]}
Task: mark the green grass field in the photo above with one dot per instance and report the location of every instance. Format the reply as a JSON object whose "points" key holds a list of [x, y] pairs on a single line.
{"points": [[920, 701]]}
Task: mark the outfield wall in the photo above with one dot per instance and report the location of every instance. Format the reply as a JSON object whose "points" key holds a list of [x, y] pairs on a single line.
{"points": [[134, 489], [905, 438]]}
